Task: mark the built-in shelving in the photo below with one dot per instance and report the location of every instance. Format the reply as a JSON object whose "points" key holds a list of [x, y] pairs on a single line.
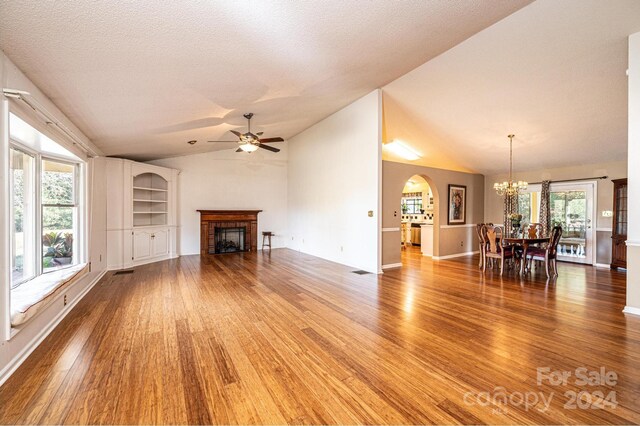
{"points": [[150, 200], [150, 189]]}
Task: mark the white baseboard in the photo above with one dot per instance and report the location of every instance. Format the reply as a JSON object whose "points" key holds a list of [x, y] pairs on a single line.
{"points": [[631, 310], [391, 265], [602, 265], [17, 361], [451, 256]]}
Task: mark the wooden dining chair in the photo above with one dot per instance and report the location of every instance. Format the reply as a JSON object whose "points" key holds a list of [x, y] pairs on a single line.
{"points": [[482, 241], [535, 230], [547, 254], [496, 248]]}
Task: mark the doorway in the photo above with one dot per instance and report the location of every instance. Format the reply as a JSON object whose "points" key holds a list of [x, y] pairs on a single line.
{"points": [[417, 206], [573, 208]]}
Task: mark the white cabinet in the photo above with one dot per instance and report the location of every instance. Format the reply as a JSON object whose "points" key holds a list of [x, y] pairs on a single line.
{"points": [[150, 243], [141, 244], [142, 213], [160, 242]]}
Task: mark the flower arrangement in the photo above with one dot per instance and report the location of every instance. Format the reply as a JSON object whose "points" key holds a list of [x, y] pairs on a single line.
{"points": [[515, 220]]}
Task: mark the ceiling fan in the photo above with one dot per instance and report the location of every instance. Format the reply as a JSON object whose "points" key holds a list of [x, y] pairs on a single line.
{"points": [[250, 142]]}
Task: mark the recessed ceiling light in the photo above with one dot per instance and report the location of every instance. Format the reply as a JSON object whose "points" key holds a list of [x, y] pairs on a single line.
{"points": [[192, 142], [402, 150]]}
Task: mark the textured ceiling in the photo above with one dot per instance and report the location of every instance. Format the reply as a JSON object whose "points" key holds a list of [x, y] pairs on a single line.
{"points": [[141, 78], [553, 73]]}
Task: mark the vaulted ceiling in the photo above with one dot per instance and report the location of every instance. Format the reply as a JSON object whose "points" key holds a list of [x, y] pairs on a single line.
{"points": [[553, 73], [142, 78]]}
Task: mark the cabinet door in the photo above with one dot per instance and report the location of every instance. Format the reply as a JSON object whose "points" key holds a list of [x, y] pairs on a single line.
{"points": [[160, 242], [141, 244]]}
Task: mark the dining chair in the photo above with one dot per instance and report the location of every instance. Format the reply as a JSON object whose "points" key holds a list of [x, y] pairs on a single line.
{"points": [[481, 243], [535, 230], [496, 248], [547, 254]]}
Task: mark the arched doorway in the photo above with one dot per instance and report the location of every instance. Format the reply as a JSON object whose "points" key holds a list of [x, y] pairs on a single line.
{"points": [[419, 217]]}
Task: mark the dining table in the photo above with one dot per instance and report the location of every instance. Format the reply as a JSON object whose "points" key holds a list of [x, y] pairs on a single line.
{"points": [[524, 242]]}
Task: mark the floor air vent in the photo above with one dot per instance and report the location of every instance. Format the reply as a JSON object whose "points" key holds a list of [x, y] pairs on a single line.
{"points": [[128, 271], [361, 272]]}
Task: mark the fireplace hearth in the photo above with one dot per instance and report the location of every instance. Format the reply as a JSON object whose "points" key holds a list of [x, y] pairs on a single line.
{"points": [[229, 240], [228, 231]]}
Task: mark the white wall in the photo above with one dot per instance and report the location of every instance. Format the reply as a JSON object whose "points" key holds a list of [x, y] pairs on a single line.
{"points": [[231, 180], [334, 180], [633, 236], [22, 341]]}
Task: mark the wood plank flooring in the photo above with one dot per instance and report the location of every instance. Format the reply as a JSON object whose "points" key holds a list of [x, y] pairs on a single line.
{"points": [[289, 338]]}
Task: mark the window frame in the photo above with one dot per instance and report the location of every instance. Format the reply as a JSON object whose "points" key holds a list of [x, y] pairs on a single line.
{"points": [[33, 213], [79, 186]]}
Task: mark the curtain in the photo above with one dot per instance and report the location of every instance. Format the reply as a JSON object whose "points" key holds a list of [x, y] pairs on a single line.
{"points": [[545, 207], [510, 206]]}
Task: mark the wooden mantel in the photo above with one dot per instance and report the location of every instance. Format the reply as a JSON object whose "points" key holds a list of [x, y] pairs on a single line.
{"points": [[209, 219]]}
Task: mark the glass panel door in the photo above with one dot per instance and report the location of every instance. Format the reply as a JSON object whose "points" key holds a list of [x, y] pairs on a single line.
{"points": [[572, 208]]}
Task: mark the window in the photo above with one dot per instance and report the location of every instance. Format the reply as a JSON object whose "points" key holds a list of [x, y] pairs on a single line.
{"points": [[22, 175], [46, 213], [412, 205], [59, 215]]}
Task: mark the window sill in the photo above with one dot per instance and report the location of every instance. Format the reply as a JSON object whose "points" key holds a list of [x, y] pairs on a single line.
{"points": [[31, 297]]}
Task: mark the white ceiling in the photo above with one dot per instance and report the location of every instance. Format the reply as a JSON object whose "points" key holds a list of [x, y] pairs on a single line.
{"points": [[141, 78], [553, 73]]}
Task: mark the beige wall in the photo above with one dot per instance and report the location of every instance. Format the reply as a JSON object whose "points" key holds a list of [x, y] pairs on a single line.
{"points": [[448, 240], [614, 170]]}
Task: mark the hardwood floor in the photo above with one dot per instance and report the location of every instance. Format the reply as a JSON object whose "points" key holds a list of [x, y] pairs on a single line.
{"points": [[289, 338]]}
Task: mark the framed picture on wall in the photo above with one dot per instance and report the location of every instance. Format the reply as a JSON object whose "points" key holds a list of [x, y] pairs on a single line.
{"points": [[457, 205]]}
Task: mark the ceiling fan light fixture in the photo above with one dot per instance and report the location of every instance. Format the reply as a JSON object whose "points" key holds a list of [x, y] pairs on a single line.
{"points": [[248, 147], [402, 150]]}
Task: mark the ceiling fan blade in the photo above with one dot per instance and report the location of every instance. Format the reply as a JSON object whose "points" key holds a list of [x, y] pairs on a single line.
{"points": [[268, 148], [238, 150], [259, 133], [238, 134], [271, 140], [224, 141]]}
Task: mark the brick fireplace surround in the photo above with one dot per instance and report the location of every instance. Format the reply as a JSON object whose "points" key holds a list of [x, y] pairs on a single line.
{"points": [[210, 219]]}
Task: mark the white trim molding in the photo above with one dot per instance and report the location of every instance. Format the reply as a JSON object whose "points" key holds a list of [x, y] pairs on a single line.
{"points": [[604, 230], [466, 225], [451, 256], [391, 265], [631, 310], [633, 243], [602, 265], [390, 229]]}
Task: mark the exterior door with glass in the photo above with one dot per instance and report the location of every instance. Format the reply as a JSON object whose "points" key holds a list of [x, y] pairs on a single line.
{"points": [[572, 208]]}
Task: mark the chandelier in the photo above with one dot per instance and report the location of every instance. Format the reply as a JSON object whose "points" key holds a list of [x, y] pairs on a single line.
{"points": [[510, 188]]}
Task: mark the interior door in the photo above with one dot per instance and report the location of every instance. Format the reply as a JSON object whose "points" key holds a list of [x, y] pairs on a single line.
{"points": [[572, 207]]}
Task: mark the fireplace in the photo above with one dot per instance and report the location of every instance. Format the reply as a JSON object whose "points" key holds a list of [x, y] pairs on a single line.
{"points": [[228, 240], [228, 231]]}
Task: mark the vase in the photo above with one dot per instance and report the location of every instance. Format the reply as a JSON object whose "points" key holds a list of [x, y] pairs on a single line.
{"points": [[515, 229]]}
